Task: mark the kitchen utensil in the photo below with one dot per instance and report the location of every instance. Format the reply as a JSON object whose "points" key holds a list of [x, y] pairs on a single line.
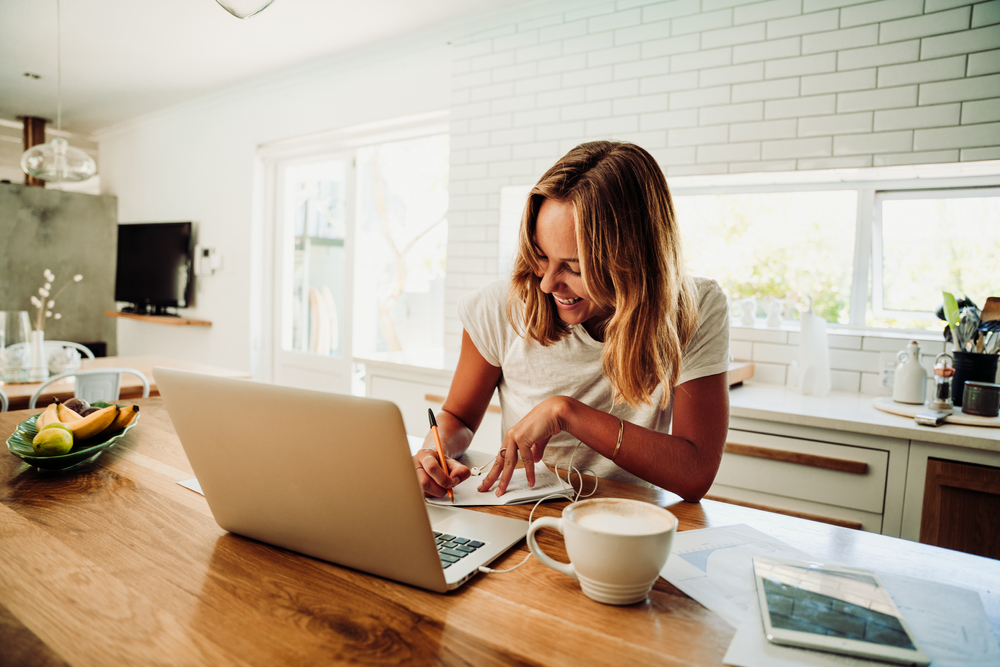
{"points": [[967, 327], [991, 310], [992, 343], [910, 384], [989, 323]]}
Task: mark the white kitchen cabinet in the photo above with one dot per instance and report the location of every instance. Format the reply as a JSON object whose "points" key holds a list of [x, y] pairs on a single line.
{"points": [[841, 478]]}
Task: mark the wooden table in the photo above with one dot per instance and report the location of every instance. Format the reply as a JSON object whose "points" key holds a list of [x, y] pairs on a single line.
{"points": [[20, 394], [116, 564]]}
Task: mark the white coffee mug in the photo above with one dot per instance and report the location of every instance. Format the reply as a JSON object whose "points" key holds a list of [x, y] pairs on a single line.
{"points": [[616, 547]]}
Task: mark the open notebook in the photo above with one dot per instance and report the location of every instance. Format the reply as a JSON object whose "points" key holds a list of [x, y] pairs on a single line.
{"points": [[518, 491]]}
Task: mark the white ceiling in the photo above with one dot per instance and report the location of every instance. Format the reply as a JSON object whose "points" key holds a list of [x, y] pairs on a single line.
{"points": [[125, 58]]}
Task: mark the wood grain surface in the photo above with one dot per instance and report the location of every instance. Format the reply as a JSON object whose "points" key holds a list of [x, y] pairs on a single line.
{"points": [[115, 563]]}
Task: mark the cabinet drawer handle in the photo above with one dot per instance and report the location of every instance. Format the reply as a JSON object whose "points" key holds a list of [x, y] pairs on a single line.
{"points": [[842, 465], [434, 398], [843, 523]]}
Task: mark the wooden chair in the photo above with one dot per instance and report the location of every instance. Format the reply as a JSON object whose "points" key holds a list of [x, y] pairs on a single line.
{"points": [[98, 384]]}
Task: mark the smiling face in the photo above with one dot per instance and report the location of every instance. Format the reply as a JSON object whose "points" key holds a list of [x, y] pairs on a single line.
{"points": [[559, 267]]}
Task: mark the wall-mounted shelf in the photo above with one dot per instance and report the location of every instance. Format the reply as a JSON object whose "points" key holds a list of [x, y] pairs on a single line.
{"points": [[161, 319]]}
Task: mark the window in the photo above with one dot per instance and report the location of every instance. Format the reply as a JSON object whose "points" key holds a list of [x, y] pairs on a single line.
{"points": [[872, 254], [783, 245], [360, 236], [926, 241]]}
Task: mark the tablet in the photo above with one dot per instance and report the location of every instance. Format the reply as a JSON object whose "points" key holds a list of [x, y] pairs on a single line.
{"points": [[831, 608]]}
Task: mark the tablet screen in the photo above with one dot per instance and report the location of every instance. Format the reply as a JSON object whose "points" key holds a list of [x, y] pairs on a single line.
{"points": [[832, 608]]}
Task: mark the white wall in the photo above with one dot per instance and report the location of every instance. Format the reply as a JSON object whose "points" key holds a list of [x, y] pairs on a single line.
{"points": [[196, 162], [714, 87]]}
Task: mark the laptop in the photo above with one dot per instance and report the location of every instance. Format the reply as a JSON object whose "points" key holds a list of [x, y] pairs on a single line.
{"points": [[326, 475]]}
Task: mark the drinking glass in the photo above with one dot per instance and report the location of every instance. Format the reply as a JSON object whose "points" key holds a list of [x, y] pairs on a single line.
{"points": [[15, 345]]}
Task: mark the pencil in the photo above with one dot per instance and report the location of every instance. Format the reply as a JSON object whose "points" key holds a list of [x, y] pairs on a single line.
{"points": [[437, 441]]}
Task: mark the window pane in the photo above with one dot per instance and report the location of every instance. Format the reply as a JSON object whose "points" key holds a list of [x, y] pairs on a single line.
{"points": [[930, 245], [774, 244], [316, 194], [401, 239]]}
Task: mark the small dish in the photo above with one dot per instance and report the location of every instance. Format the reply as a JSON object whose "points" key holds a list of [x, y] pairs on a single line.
{"points": [[19, 444]]}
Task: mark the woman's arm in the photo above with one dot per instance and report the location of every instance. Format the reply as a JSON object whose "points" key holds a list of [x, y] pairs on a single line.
{"points": [[684, 462], [471, 389]]}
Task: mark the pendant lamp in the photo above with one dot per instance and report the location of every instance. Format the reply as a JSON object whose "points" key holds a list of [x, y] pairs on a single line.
{"points": [[244, 9], [57, 161]]}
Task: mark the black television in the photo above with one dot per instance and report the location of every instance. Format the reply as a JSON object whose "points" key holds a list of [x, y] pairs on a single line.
{"points": [[155, 267]]}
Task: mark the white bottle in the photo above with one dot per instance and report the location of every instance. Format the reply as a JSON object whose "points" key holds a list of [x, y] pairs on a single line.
{"points": [[910, 384]]}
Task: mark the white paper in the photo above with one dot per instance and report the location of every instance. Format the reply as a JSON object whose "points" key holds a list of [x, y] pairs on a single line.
{"points": [[715, 567], [192, 484], [949, 624], [518, 491]]}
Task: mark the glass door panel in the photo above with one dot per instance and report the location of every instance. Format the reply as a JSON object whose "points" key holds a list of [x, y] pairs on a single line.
{"points": [[402, 238], [314, 269]]}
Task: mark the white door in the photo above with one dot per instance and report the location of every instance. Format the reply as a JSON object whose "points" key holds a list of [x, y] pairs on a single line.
{"points": [[313, 261], [358, 237]]}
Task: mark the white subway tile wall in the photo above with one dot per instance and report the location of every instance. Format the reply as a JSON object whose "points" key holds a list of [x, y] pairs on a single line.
{"points": [[714, 87], [854, 359]]}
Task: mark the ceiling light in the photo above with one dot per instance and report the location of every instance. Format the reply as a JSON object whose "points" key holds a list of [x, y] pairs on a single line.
{"points": [[244, 9], [57, 161]]}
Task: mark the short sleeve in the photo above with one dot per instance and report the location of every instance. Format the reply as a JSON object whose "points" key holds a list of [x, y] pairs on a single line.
{"points": [[483, 315], [707, 353]]}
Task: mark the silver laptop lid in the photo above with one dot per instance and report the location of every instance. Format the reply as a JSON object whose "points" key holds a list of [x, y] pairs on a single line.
{"points": [[323, 474]]}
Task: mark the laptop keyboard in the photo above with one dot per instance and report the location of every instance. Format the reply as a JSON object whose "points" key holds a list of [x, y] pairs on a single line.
{"points": [[452, 548]]}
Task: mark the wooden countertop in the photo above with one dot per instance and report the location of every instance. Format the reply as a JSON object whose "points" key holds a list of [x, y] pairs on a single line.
{"points": [[116, 563]]}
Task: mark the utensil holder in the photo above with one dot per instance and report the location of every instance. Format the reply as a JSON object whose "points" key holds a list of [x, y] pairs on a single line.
{"points": [[971, 366]]}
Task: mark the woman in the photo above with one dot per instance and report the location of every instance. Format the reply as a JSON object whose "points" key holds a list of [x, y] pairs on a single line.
{"points": [[599, 337]]}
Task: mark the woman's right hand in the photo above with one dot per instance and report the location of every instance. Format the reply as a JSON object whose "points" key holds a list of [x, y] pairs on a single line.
{"points": [[433, 479]]}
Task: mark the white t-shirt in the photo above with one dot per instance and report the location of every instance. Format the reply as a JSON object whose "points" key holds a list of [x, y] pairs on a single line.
{"points": [[572, 367]]}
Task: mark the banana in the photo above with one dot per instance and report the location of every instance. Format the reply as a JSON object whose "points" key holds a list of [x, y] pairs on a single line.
{"points": [[67, 415], [93, 423], [48, 416], [124, 418]]}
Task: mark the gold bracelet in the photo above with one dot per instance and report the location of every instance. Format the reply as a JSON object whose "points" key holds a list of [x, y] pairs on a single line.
{"points": [[621, 430]]}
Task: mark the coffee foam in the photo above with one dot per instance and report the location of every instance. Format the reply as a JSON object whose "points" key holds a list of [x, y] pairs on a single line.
{"points": [[622, 518]]}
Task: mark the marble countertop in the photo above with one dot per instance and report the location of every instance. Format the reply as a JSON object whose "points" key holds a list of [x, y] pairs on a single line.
{"points": [[841, 411]]}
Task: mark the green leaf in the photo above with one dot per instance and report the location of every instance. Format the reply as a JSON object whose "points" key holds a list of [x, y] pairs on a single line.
{"points": [[951, 312]]}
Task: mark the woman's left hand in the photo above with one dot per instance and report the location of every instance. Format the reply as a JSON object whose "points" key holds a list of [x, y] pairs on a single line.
{"points": [[526, 439]]}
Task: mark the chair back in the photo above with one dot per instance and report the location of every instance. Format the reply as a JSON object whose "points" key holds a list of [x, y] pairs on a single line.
{"points": [[97, 384], [51, 346], [3, 401]]}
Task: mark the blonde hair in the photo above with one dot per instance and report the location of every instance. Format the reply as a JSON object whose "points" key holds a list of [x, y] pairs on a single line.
{"points": [[630, 256]]}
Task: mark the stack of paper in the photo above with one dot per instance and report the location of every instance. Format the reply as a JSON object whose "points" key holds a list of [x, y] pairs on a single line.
{"points": [[714, 566]]}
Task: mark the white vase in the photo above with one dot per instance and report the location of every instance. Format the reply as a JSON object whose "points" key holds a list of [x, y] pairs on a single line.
{"points": [[39, 369]]}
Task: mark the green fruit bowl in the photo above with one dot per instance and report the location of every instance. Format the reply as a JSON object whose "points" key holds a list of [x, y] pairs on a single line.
{"points": [[19, 444]]}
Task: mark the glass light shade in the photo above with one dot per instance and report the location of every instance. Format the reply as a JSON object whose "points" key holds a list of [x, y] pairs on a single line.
{"points": [[244, 9], [57, 161]]}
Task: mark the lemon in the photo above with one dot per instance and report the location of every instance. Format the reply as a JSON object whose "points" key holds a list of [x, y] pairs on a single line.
{"points": [[52, 442], [58, 425]]}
